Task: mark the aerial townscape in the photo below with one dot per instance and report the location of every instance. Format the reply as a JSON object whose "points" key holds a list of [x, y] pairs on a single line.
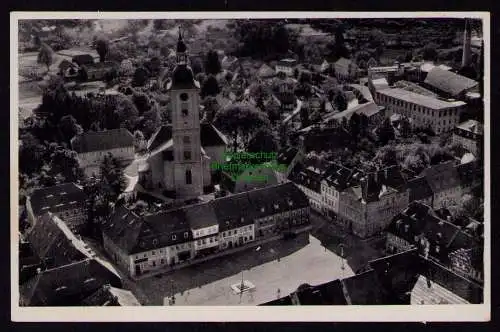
{"points": [[250, 162]]}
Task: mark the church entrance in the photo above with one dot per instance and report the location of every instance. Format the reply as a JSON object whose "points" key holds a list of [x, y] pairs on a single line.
{"points": [[137, 270]]}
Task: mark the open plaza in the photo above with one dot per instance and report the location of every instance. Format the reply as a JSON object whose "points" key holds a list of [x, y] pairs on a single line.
{"points": [[274, 269]]}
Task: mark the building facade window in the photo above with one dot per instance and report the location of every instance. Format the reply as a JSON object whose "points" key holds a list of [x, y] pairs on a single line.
{"points": [[186, 139], [187, 155]]}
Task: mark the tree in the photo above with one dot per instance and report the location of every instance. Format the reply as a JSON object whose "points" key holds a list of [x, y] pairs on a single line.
{"points": [[69, 127], [140, 77], [355, 125], [239, 121], [112, 176], [139, 141], [340, 100], [405, 127], [210, 87], [152, 121], [212, 63], [263, 140], [126, 113], [31, 153], [386, 132], [386, 156], [197, 66], [281, 39], [102, 48], [429, 52], [45, 56], [65, 163], [141, 101]]}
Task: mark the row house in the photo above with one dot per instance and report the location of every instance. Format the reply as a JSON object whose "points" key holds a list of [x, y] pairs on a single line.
{"points": [[445, 184], [142, 244], [279, 209], [288, 156], [67, 201], [204, 227], [469, 134], [308, 179], [236, 220], [419, 226], [423, 111], [368, 208], [92, 147], [337, 179]]}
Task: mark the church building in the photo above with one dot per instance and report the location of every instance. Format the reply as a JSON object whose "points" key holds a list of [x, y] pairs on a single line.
{"points": [[179, 154]]}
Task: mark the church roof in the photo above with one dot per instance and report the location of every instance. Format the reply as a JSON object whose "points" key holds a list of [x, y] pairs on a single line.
{"points": [[209, 136]]}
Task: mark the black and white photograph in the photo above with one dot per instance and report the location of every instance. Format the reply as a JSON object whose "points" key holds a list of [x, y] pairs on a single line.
{"points": [[181, 162]]}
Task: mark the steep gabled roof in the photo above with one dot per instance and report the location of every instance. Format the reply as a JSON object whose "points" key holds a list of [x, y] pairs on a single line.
{"points": [[201, 216], [51, 244], [67, 285], [62, 196]]}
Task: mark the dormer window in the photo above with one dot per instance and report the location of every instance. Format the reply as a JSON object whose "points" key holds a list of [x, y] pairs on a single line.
{"points": [[262, 209], [155, 242], [174, 237], [186, 235], [276, 206]]}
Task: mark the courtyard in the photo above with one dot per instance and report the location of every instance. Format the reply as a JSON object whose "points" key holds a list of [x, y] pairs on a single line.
{"points": [[274, 269]]}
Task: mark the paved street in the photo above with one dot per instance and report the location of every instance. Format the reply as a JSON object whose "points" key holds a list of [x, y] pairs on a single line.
{"points": [[357, 252]]}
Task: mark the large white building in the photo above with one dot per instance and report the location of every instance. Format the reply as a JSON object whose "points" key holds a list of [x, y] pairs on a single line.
{"points": [[92, 147], [423, 111]]}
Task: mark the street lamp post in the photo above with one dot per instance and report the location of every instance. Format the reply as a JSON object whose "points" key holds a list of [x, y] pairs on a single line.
{"points": [[342, 267]]}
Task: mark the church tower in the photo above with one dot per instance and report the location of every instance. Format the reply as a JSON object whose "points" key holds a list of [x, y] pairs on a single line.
{"points": [[466, 52], [185, 100]]}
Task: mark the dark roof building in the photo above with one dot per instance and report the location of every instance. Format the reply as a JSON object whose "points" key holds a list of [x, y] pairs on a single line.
{"points": [[102, 141], [442, 177], [448, 82], [67, 285], [200, 216], [135, 234], [419, 189], [421, 226], [56, 198], [52, 243]]}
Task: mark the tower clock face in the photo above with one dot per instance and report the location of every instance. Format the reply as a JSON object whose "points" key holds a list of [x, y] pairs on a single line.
{"points": [[184, 96]]}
